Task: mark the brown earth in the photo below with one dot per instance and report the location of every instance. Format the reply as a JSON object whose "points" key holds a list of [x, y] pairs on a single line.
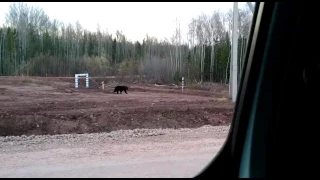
{"points": [[51, 105]]}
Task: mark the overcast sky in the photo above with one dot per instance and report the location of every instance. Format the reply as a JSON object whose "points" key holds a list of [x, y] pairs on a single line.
{"points": [[135, 19]]}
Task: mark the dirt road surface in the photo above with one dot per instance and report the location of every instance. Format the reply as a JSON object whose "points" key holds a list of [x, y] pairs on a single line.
{"points": [[126, 153]]}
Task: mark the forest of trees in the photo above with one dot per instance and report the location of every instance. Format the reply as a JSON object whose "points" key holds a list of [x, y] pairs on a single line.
{"points": [[32, 44]]}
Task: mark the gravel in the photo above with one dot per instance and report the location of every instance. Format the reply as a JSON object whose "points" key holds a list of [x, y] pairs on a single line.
{"points": [[125, 153], [50, 141]]}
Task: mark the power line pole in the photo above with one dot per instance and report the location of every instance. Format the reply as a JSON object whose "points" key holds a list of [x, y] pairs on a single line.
{"points": [[234, 85]]}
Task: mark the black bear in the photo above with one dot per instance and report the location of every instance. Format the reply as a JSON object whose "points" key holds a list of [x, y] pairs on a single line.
{"points": [[120, 88]]}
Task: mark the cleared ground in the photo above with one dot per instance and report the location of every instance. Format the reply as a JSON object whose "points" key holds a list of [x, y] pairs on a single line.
{"points": [[36, 106]]}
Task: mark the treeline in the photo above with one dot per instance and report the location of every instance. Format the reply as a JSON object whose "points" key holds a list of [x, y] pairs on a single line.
{"points": [[32, 44]]}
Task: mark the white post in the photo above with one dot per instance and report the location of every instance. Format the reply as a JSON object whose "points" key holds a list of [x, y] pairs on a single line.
{"points": [[234, 86], [76, 81], [182, 83], [87, 80]]}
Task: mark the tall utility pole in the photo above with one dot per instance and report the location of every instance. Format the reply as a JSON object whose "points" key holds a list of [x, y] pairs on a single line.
{"points": [[234, 86]]}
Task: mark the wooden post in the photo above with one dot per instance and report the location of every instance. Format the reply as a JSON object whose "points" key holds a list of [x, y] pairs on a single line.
{"points": [[102, 85]]}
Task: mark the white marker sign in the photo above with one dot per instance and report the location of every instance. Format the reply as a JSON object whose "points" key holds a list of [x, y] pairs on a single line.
{"points": [[76, 77]]}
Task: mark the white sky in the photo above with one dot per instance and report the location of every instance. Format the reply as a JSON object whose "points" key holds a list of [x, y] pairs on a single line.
{"points": [[135, 19]]}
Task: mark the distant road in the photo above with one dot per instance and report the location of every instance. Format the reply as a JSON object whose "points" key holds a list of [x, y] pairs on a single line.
{"points": [[69, 77]]}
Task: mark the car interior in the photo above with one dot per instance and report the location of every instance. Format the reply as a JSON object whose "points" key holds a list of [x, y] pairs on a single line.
{"points": [[276, 105]]}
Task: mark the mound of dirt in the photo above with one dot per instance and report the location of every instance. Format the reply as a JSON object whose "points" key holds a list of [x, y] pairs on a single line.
{"points": [[109, 120]]}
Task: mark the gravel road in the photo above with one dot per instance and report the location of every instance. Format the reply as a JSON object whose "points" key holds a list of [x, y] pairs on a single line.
{"points": [[126, 153]]}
